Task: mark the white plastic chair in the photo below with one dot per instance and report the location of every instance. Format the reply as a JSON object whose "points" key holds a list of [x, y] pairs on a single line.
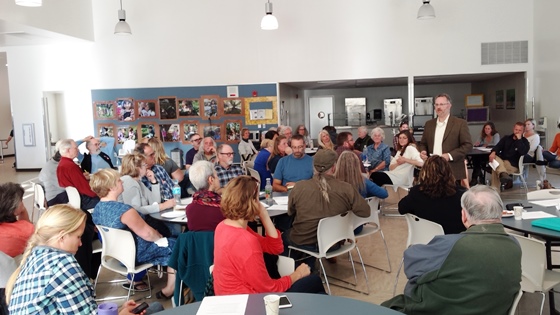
{"points": [[396, 193], [534, 275], [331, 231], [38, 203], [118, 254], [254, 173], [420, 231], [519, 173], [73, 197], [128, 146], [286, 265], [371, 226], [543, 194], [513, 308]]}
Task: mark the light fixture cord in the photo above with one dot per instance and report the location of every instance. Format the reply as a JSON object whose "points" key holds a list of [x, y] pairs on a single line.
{"points": [[121, 4]]}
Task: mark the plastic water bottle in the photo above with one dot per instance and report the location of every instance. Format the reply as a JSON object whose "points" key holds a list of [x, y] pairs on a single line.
{"points": [[268, 191], [176, 191]]}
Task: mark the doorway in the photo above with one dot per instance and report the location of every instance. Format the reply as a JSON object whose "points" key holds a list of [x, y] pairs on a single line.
{"points": [[320, 114]]}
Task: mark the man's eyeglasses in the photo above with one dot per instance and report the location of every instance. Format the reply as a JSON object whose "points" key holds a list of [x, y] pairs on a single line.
{"points": [[440, 104], [228, 153], [197, 140], [298, 147]]}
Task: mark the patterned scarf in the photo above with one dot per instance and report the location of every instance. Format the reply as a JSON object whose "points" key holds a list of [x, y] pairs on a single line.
{"points": [[207, 198]]}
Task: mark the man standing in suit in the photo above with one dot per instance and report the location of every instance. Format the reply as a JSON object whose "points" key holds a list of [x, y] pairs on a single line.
{"points": [[447, 136]]}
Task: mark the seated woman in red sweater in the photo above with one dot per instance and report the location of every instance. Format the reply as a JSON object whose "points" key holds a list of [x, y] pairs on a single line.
{"points": [[204, 213], [239, 266]]}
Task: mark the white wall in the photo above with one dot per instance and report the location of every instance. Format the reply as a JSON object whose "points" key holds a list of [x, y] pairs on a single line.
{"points": [[547, 64], [5, 113], [194, 43]]}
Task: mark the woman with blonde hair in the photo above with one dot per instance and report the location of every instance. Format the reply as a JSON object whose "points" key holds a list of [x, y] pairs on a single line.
{"points": [[239, 266], [151, 246], [49, 279], [348, 170], [135, 193], [325, 141], [161, 158]]}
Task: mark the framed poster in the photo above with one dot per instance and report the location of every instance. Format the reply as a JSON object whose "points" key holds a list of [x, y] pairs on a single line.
{"points": [[189, 107], [125, 109], [189, 127], [127, 132], [106, 130], [104, 110], [170, 132], [474, 100], [167, 107], [210, 105], [233, 130], [147, 108], [213, 131], [510, 99], [148, 130], [260, 110], [232, 106], [500, 99]]}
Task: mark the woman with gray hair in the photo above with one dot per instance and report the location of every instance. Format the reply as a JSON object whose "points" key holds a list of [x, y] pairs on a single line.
{"points": [[204, 213], [378, 154]]}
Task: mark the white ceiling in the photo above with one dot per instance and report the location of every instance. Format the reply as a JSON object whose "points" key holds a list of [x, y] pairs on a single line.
{"points": [[13, 34]]}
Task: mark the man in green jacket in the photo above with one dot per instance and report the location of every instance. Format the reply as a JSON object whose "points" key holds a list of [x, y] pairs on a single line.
{"points": [[475, 272]]}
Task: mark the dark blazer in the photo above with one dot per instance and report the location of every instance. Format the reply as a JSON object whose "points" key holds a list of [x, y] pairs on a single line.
{"points": [[456, 141], [86, 162]]}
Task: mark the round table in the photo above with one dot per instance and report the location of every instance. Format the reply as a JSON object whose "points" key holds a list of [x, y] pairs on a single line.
{"points": [[303, 303]]}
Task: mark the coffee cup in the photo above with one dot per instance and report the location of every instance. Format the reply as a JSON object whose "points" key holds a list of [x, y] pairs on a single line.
{"points": [[518, 212], [272, 304]]}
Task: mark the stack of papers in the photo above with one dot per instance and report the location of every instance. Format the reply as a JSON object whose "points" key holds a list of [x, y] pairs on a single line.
{"points": [[484, 149], [494, 164], [536, 215], [281, 200], [224, 304]]}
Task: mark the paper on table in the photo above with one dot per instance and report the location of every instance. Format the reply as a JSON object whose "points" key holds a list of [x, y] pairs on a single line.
{"points": [[546, 203], [483, 149], [172, 214], [281, 200], [180, 219], [184, 203], [494, 164], [264, 204], [536, 215], [224, 304], [278, 207]]}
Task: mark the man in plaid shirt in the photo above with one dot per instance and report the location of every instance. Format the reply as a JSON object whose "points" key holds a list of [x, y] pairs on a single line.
{"points": [[224, 167], [165, 182]]}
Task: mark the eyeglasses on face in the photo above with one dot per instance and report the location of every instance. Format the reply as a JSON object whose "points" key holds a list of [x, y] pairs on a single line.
{"points": [[196, 140], [440, 104], [298, 147], [228, 153]]}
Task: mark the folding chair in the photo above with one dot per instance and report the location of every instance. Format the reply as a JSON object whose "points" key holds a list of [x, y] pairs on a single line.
{"points": [[73, 197], [519, 174], [38, 202]]}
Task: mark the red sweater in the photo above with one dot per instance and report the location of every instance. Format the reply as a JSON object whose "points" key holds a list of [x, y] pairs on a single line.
{"points": [[70, 174], [239, 265]]}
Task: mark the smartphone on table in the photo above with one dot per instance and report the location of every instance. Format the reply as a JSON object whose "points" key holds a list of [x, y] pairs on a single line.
{"points": [[285, 302]]}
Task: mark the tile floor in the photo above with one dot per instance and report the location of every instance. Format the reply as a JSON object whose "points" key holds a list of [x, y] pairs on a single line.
{"points": [[380, 282]]}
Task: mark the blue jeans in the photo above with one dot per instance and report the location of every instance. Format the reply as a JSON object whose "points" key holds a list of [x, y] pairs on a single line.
{"points": [[551, 158]]}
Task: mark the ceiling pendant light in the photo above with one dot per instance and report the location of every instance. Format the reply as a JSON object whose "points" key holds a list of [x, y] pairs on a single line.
{"points": [[269, 21], [30, 3], [426, 11], [122, 28]]}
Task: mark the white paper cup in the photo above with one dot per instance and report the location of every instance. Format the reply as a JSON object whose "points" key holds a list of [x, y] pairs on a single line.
{"points": [[272, 304], [518, 212]]}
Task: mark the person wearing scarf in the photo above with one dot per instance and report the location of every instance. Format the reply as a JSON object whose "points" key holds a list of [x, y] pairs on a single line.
{"points": [[204, 213]]}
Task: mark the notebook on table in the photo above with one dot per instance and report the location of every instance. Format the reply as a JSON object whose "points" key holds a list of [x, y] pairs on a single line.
{"points": [[547, 223]]}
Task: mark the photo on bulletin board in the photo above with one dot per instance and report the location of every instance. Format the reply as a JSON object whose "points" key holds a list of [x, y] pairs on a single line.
{"points": [[213, 131], [260, 110], [149, 130], [190, 127], [167, 107], [210, 104], [233, 106], [147, 108], [125, 109], [189, 107], [233, 130], [104, 110], [106, 130], [500, 99], [510, 99], [170, 132], [126, 133]]}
